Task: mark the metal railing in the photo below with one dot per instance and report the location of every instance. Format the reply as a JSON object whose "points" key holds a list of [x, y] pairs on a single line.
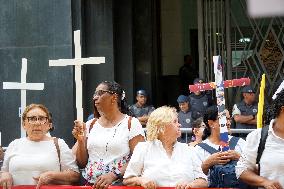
{"points": [[188, 131]]}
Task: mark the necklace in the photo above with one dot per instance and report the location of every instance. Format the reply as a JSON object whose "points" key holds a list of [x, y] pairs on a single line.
{"points": [[103, 155]]}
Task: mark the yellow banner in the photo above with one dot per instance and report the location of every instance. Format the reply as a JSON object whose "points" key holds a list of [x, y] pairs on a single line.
{"points": [[261, 102]]}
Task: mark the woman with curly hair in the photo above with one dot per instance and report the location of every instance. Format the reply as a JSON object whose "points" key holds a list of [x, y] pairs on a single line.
{"points": [[104, 145], [162, 161], [271, 164]]}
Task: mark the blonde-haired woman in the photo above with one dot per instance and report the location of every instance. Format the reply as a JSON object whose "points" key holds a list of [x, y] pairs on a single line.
{"points": [[162, 161]]}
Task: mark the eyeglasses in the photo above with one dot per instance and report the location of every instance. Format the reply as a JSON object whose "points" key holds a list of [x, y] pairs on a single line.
{"points": [[34, 119], [101, 92]]}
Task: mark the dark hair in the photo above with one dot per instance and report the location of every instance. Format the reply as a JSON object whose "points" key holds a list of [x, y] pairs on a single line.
{"points": [[187, 56], [121, 102], [50, 121], [196, 124], [210, 114], [276, 106]]}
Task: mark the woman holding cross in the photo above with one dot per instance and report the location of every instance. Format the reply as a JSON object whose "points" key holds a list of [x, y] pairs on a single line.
{"points": [[104, 144]]}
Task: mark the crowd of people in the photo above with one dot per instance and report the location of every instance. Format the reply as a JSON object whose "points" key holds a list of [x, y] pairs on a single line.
{"points": [[112, 149]]}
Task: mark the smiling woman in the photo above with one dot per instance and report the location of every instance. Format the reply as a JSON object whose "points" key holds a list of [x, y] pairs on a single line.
{"points": [[39, 162]]}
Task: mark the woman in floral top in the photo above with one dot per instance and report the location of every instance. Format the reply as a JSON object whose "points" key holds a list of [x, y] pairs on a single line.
{"points": [[104, 144]]}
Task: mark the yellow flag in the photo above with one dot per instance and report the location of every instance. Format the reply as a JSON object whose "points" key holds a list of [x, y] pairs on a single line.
{"points": [[261, 102]]}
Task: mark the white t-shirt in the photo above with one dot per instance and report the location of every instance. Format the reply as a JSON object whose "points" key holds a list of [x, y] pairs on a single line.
{"points": [[150, 160], [108, 148], [272, 159], [201, 155], [26, 159]]}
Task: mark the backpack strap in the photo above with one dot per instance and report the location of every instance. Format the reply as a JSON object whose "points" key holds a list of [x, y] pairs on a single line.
{"points": [[233, 142], [261, 146], [55, 141], [129, 122], [208, 148], [92, 124]]}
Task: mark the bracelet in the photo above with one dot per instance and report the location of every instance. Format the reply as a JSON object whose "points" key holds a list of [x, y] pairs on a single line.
{"points": [[117, 173]]}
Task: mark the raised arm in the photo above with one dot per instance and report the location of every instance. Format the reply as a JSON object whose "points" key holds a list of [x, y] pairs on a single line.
{"points": [[80, 147]]}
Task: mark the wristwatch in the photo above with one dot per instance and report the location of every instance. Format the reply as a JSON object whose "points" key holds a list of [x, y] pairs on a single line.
{"points": [[117, 173]]}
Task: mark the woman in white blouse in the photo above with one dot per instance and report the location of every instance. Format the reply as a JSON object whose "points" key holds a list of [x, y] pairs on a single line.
{"points": [[34, 160], [211, 137], [162, 161], [104, 145], [272, 160]]}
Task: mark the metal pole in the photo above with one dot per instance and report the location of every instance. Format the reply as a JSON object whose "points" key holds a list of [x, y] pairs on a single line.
{"points": [[214, 29], [229, 49], [200, 38]]}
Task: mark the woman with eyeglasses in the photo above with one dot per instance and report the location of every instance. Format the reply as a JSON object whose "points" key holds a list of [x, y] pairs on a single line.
{"points": [[35, 160], [104, 144], [198, 127]]}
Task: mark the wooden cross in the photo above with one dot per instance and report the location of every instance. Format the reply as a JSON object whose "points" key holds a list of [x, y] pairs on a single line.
{"points": [[23, 86], [219, 84], [78, 62]]}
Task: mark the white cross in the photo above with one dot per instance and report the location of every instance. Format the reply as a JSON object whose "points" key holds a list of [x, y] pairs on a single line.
{"points": [[23, 86], [77, 62]]}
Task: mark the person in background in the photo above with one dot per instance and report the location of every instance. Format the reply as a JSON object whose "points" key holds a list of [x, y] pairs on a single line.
{"points": [[162, 161], [184, 116], [140, 109], [35, 159], [244, 112], [200, 101], [271, 164], [105, 143], [198, 127], [187, 74]]}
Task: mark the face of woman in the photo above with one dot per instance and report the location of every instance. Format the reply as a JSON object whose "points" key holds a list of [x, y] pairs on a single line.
{"points": [[36, 124], [216, 124], [173, 130], [198, 132], [103, 97]]}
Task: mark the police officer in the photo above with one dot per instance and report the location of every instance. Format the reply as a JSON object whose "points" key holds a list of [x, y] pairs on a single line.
{"points": [[200, 101], [244, 112], [140, 109], [184, 116]]}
